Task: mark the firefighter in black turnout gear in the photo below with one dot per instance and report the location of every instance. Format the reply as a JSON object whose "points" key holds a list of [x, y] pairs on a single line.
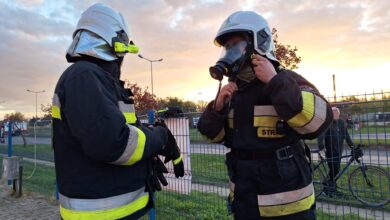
{"points": [[262, 115], [106, 161]]}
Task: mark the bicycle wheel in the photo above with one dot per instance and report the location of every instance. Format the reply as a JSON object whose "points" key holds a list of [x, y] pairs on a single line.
{"points": [[319, 176], [370, 185]]}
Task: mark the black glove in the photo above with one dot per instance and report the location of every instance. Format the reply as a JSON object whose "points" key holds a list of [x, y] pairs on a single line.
{"points": [[171, 152], [157, 175], [357, 152]]}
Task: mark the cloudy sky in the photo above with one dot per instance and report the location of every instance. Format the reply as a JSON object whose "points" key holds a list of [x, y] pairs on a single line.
{"points": [[349, 39]]}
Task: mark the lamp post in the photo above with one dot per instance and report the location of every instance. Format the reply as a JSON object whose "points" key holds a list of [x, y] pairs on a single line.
{"points": [[36, 101], [151, 68]]}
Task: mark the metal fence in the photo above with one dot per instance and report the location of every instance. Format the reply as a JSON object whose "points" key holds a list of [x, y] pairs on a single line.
{"points": [[202, 193]]}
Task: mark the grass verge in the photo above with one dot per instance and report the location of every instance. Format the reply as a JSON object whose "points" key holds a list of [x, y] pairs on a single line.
{"points": [[170, 205]]}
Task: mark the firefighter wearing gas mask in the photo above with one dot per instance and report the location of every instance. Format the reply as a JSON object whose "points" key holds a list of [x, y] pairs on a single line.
{"points": [[262, 115], [106, 161]]}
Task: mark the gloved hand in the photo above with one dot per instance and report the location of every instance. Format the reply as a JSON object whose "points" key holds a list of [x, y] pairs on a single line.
{"points": [[357, 152], [171, 152], [157, 175]]}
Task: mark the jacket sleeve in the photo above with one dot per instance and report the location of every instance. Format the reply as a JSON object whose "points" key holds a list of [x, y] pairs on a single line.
{"points": [[320, 141], [299, 103], [212, 123], [95, 120], [347, 136]]}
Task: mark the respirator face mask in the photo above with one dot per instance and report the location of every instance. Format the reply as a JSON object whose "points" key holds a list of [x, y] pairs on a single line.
{"points": [[232, 59]]}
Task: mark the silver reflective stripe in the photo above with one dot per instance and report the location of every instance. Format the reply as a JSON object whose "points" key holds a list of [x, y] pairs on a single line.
{"points": [[101, 204], [126, 107], [56, 100], [285, 197], [262, 110], [318, 118], [132, 144]]}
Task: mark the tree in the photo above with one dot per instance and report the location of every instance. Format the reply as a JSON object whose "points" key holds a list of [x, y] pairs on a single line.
{"points": [[286, 54], [201, 106], [143, 99], [14, 117], [46, 109]]}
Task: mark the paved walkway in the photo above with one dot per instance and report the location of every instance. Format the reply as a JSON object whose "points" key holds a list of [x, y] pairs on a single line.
{"points": [[29, 207]]}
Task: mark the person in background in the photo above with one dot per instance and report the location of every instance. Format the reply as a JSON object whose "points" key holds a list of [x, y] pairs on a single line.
{"points": [[330, 144]]}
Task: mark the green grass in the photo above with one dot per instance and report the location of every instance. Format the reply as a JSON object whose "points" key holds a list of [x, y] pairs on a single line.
{"points": [[195, 136], [44, 151], [207, 206], [369, 143], [40, 131], [43, 180], [208, 169], [170, 205]]}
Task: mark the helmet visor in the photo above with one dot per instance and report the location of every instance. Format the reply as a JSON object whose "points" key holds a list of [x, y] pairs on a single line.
{"points": [[234, 52]]}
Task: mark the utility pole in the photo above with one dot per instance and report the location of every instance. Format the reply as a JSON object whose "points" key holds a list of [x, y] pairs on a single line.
{"points": [[151, 68], [334, 87], [36, 100]]}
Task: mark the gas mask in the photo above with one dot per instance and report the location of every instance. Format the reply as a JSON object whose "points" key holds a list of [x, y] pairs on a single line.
{"points": [[232, 60]]}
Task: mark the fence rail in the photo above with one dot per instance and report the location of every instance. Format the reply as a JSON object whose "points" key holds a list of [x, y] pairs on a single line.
{"points": [[202, 193]]}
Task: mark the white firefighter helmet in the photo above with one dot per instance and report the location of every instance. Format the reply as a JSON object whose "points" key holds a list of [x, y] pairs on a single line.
{"points": [[256, 25], [101, 32]]}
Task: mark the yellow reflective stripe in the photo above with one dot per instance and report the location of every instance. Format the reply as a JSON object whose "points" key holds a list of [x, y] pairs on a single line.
{"points": [[307, 112], [265, 121], [268, 133], [131, 118], [123, 48], [287, 209], [55, 112], [230, 122], [230, 118], [266, 126], [107, 214], [139, 150], [220, 136], [55, 107], [318, 119], [177, 160], [285, 197]]}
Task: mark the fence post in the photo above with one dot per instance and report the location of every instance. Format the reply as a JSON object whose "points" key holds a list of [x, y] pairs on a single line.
{"points": [[152, 212], [9, 144]]}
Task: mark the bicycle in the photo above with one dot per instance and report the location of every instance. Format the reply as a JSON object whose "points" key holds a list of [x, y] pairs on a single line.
{"points": [[369, 184]]}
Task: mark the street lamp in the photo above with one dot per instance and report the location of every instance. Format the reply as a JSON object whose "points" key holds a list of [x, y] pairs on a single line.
{"points": [[36, 101], [151, 68]]}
